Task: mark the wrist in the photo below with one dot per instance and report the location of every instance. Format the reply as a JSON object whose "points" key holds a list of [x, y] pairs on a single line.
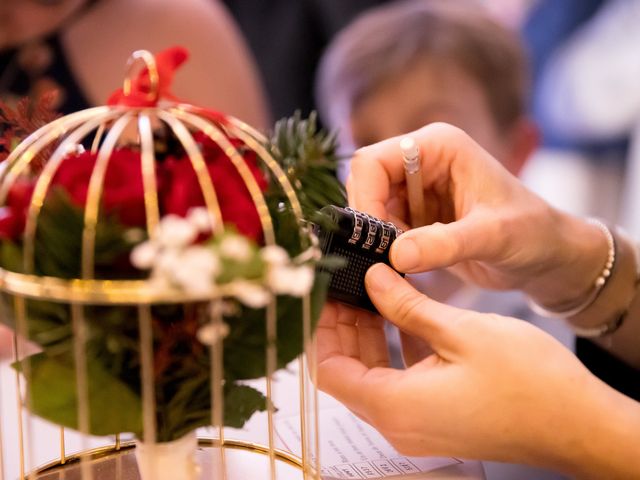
{"points": [[577, 255], [603, 307], [616, 297]]}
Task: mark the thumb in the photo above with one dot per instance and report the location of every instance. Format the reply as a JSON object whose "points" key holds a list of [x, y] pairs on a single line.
{"points": [[442, 245], [413, 312]]}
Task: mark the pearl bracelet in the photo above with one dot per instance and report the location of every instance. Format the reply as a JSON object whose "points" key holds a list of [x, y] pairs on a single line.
{"points": [[597, 288], [610, 327], [600, 330]]}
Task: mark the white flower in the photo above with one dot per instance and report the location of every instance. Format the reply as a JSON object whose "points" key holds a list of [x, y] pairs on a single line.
{"points": [[311, 253], [160, 282], [223, 307], [166, 263], [76, 149], [249, 293], [195, 270], [199, 257], [143, 256], [200, 218], [302, 280], [175, 231], [235, 247], [290, 280], [275, 255], [196, 283], [211, 333]]}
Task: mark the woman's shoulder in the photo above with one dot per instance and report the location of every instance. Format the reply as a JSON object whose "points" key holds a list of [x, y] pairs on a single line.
{"points": [[99, 44], [115, 27]]}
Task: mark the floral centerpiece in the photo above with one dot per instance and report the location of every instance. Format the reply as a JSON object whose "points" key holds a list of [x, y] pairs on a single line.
{"points": [[91, 204]]}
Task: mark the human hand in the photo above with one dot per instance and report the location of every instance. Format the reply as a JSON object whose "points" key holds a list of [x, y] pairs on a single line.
{"points": [[493, 389], [484, 224], [352, 334]]}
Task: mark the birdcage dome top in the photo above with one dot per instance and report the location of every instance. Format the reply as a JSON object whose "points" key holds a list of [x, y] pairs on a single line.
{"points": [[84, 190]]}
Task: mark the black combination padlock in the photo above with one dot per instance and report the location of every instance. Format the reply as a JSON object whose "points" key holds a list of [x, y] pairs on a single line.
{"points": [[360, 239]]}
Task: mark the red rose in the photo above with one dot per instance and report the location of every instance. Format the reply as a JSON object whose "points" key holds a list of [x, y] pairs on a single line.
{"points": [[183, 190], [179, 189], [19, 196], [13, 214], [73, 176], [236, 204], [123, 188], [10, 224], [123, 192]]}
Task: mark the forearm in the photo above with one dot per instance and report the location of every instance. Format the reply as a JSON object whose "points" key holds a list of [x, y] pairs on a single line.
{"points": [[603, 437], [582, 428]]}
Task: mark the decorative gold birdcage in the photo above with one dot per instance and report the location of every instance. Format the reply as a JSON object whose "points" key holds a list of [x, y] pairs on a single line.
{"points": [[96, 305]]}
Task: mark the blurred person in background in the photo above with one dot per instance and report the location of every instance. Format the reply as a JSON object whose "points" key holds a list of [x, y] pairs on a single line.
{"points": [[511, 13], [79, 48], [589, 95], [578, 173], [544, 26], [416, 62]]}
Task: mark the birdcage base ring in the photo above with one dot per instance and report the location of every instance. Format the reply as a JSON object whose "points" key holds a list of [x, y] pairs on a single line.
{"points": [[111, 463]]}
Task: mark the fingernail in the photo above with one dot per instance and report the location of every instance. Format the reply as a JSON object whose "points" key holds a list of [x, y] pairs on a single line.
{"points": [[379, 278], [405, 254]]}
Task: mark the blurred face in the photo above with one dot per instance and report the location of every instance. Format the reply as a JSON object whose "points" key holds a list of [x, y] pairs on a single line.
{"points": [[23, 20], [430, 92]]}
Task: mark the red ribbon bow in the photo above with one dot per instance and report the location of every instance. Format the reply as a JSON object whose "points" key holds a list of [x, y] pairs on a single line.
{"points": [[140, 95], [167, 62]]}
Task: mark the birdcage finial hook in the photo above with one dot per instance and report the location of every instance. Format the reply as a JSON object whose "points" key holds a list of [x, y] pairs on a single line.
{"points": [[152, 67]]}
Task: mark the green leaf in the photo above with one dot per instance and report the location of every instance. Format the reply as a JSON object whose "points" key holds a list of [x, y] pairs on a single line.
{"points": [[241, 402], [47, 322], [331, 263], [52, 393], [190, 408], [244, 348], [59, 242], [10, 256]]}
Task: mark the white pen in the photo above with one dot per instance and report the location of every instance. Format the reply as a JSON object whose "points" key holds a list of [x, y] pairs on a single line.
{"points": [[413, 176]]}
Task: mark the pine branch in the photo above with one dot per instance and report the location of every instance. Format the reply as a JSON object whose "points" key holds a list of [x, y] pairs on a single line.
{"points": [[307, 153], [17, 123]]}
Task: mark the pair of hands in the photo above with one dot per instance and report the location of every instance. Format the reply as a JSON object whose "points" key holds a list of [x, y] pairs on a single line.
{"points": [[489, 387]]}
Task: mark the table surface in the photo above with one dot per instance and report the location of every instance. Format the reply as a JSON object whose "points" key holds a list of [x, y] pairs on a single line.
{"points": [[123, 466], [43, 440]]}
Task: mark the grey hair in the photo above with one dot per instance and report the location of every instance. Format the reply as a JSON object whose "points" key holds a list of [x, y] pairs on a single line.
{"points": [[385, 40]]}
